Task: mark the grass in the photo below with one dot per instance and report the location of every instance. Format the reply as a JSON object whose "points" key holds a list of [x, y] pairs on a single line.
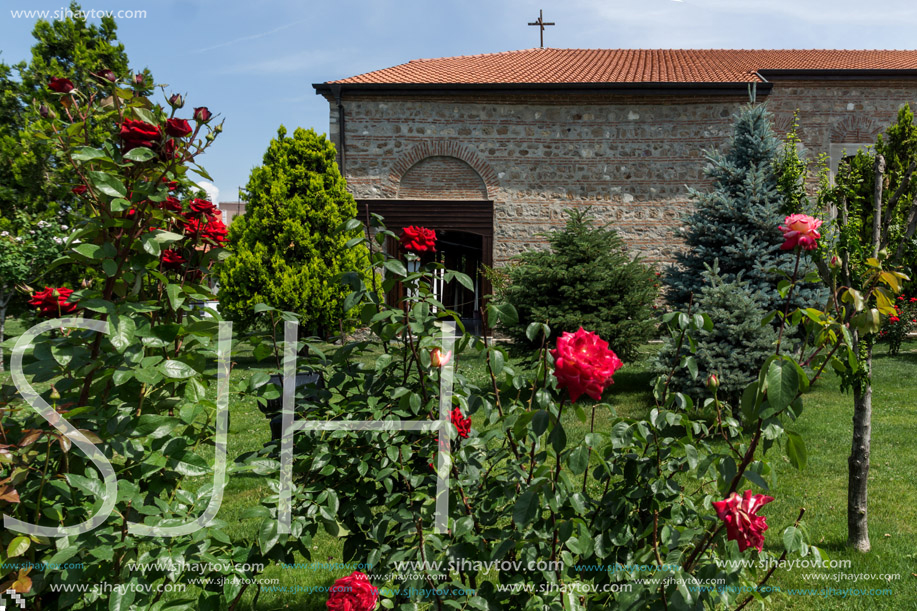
{"points": [[821, 487]]}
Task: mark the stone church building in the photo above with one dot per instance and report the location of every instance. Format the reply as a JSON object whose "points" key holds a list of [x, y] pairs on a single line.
{"points": [[490, 149]]}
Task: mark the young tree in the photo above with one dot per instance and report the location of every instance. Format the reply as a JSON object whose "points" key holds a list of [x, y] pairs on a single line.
{"points": [[587, 278], [873, 212], [287, 250]]}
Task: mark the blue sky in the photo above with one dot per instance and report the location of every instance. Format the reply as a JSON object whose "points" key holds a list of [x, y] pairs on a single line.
{"points": [[255, 62]]}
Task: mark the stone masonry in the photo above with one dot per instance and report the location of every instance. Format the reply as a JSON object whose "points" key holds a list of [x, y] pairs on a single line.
{"points": [[629, 157]]}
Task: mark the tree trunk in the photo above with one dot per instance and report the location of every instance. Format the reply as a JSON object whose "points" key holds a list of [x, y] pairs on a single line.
{"points": [[858, 462], [4, 303]]}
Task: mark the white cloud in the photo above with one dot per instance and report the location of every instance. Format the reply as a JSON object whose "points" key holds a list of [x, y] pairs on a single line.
{"points": [[213, 194]]}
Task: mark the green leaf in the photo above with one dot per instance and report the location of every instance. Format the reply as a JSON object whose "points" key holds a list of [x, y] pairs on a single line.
{"points": [[578, 460], [189, 464], [176, 369], [119, 204], [396, 267], [782, 384], [464, 280], [526, 507], [121, 600], [87, 153], [796, 450], [792, 539], [497, 361], [155, 426], [174, 291], [121, 332], [95, 251], [140, 154], [18, 546], [268, 535], [107, 184]]}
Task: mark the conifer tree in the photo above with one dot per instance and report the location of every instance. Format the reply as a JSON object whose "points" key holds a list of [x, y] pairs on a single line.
{"points": [[736, 224], [587, 278], [737, 221], [287, 251]]}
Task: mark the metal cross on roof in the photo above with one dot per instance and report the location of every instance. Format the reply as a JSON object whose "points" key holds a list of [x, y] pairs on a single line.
{"points": [[541, 23]]}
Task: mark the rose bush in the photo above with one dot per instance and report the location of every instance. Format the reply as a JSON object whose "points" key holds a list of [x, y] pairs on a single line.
{"points": [[138, 390], [525, 491]]}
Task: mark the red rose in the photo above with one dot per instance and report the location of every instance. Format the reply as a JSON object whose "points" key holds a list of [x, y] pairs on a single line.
{"points": [[79, 190], [214, 229], [138, 133], [53, 302], [203, 206], [179, 128], [893, 319], [202, 114], [742, 525], [353, 593], [172, 259], [800, 230], [170, 183], [418, 239], [169, 151], [583, 364], [913, 300], [61, 85], [462, 424], [171, 204]]}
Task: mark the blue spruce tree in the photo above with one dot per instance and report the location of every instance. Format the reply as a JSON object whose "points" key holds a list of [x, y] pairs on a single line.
{"points": [[736, 225]]}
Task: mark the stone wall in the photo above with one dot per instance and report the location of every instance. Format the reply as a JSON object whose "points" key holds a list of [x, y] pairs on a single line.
{"points": [[628, 157]]}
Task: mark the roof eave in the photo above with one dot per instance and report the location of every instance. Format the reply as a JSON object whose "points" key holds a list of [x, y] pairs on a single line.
{"points": [[836, 75], [714, 88]]}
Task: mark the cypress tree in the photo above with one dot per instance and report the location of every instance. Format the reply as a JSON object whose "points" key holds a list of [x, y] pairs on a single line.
{"points": [[286, 251]]}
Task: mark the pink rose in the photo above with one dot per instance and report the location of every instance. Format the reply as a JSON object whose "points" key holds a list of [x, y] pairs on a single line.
{"points": [[583, 364], [800, 230], [742, 525], [353, 593]]}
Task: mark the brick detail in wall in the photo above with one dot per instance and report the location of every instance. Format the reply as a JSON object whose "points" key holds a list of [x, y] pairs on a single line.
{"points": [[856, 130], [442, 178], [439, 148]]}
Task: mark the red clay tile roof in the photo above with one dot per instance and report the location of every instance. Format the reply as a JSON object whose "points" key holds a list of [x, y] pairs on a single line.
{"points": [[628, 66]]}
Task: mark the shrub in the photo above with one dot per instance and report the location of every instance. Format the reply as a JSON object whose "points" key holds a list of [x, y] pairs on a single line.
{"points": [[586, 279], [286, 250]]}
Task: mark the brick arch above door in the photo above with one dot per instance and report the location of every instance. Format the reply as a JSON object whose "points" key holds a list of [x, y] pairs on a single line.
{"points": [[442, 177], [440, 148]]}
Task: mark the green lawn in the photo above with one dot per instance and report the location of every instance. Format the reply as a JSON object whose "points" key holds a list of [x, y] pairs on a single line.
{"points": [[820, 488]]}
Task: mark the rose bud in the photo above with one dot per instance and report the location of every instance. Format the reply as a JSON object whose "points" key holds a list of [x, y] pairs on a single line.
{"points": [[219, 128], [202, 114], [713, 382], [108, 75], [139, 79], [439, 359], [79, 190], [54, 396], [176, 101], [835, 262], [44, 111]]}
